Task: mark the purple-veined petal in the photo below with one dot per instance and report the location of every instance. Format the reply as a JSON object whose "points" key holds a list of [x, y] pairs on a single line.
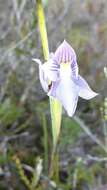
{"points": [[65, 53], [51, 69], [66, 92], [74, 69], [85, 91]]}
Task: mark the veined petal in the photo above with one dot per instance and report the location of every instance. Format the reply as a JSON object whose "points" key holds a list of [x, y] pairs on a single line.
{"points": [[65, 53], [67, 93], [51, 69], [74, 69], [85, 91]]}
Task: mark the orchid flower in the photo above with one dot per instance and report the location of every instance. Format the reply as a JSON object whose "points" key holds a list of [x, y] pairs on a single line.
{"points": [[60, 79]]}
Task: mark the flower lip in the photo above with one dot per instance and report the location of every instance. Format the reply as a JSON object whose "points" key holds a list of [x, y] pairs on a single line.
{"points": [[64, 53]]}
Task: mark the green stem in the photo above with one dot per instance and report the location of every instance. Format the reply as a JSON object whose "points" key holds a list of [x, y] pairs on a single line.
{"points": [[55, 106], [45, 142], [42, 28]]}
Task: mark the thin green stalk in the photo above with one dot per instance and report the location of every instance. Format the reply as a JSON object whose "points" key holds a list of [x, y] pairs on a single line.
{"points": [[55, 106], [45, 142], [42, 28]]}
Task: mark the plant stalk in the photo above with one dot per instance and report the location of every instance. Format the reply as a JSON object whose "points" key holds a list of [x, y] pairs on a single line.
{"points": [[42, 28], [55, 106]]}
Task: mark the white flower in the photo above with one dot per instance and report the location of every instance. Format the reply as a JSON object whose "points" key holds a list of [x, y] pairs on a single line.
{"points": [[60, 79]]}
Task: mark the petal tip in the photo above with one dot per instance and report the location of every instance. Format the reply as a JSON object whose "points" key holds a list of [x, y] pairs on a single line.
{"points": [[70, 114], [95, 94], [65, 42], [85, 91], [37, 61], [91, 94]]}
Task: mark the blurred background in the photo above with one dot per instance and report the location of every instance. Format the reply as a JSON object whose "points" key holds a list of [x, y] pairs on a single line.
{"points": [[24, 107]]}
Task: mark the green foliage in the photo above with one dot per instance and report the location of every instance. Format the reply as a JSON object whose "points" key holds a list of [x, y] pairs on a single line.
{"points": [[9, 112], [3, 159], [21, 173], [20, 52], [14, 87], [84, 174], [70, 131], [35, 173]]}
